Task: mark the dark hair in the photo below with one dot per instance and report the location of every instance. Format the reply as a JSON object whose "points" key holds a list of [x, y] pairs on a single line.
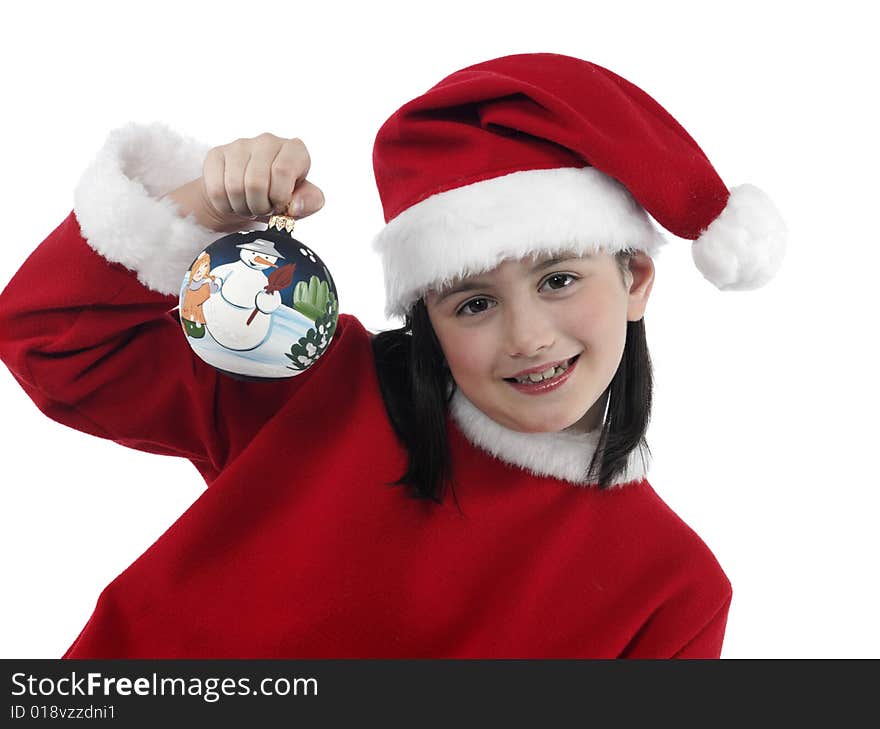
{"points": [[417, 386]]}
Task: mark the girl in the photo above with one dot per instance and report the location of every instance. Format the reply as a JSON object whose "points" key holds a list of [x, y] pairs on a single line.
{"points": [[518, 252], [200, 285]]}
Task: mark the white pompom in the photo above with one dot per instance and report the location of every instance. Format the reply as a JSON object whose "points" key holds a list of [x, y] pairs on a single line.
{"points": [[743, 247]]}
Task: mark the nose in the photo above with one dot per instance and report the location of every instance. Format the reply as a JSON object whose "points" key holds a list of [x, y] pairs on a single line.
{"points": [[527, 331]]}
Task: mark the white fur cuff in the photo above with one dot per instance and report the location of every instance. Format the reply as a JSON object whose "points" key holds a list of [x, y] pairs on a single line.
{"points": [[116, 204]]}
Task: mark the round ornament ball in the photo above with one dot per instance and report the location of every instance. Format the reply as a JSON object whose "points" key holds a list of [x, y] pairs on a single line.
{"points": [[259, 305]]}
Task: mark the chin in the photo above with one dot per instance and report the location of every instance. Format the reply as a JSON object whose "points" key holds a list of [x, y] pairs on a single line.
{"points": [[546, 425]]}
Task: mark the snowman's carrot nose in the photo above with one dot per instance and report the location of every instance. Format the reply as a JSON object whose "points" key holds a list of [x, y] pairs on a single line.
{"points": [[260, 259]]}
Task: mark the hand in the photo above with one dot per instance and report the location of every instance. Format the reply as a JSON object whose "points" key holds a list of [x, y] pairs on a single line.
{"points": [[251, 179]]}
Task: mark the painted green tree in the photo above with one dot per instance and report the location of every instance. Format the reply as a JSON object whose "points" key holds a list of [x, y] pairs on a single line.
{"points": [[310, 299]]}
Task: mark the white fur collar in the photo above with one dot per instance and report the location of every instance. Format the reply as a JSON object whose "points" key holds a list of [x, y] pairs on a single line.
{"points": [[563, 455]]}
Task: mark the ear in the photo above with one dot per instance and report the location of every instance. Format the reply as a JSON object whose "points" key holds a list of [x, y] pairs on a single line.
{"points": [[641, 268]]}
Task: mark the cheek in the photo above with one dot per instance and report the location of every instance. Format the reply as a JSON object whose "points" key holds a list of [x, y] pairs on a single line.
{"points": [[599, 322], [467, 354], [610, 334], [469, 359]]}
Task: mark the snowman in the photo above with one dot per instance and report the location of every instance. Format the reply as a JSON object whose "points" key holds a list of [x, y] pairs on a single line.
{"points": [[242, 285]]}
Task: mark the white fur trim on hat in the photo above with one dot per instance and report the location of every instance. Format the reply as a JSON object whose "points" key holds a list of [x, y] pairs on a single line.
{"points": [[743, 247], [474, 228], [116, 204], [563, 455]]}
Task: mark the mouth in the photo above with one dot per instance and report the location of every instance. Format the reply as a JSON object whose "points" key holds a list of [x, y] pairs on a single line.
{"points": [[550, 374]]}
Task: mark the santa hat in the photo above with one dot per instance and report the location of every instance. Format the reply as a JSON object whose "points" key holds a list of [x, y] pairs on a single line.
{"points": [[544, 153]]}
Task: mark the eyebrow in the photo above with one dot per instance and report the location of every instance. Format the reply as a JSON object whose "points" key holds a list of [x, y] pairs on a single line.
{"points": [[472, 285]]}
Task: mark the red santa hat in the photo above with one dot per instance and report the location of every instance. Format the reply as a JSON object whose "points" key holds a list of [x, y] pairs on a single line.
{"points": [[544, 153]]}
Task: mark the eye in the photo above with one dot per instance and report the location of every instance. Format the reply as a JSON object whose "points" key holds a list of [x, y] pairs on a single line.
{"points": [[474, 306], [559, 281]]}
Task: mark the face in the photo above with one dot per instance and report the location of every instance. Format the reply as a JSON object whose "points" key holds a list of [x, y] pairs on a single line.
{"points": [[258, 260], [559, 320], [201, 271]]}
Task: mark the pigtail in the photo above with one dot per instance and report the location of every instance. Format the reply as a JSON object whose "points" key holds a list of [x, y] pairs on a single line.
{"points": [[629, 403], [629, 410], [416, 386]]}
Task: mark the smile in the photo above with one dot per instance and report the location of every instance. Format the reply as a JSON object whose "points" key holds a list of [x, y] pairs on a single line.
{"points": [[536, 383]]}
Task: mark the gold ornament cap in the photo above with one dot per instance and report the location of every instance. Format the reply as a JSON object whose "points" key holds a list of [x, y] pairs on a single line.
{"points": [[282, 222]]}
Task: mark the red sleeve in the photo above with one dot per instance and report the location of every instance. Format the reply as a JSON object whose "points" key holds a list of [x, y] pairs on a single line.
{"points": [[98, 351]]}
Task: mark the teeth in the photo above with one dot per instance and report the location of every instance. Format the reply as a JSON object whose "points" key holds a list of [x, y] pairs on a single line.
{"points": [[545, 375]]}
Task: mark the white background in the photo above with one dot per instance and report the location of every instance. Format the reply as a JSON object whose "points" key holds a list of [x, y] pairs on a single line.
{"points": [[765, 415]]}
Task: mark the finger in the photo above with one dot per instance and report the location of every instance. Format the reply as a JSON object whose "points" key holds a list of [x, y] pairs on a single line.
{"points": [[289, 168], [257, 174], [307, 199], [213, 174], [237, 157]]}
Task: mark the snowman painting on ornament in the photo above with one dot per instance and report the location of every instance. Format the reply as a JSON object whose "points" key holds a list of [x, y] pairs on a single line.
{"points": [[268, 306]]}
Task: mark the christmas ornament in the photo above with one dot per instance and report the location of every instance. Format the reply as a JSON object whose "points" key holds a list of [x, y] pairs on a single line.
{"points": [[259, 304]]}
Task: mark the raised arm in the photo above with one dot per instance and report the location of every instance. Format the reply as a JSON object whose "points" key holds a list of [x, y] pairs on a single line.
{"points": [[87, 325]]}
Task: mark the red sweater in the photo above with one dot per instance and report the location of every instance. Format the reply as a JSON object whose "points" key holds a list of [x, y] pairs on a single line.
{"points": [[298, 548]]}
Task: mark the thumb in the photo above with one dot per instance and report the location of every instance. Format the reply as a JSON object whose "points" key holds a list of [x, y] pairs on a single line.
{"points": [[307, 199]]}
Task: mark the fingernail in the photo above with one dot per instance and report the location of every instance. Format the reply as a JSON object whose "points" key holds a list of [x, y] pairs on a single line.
{"points": [[299, 205]]}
